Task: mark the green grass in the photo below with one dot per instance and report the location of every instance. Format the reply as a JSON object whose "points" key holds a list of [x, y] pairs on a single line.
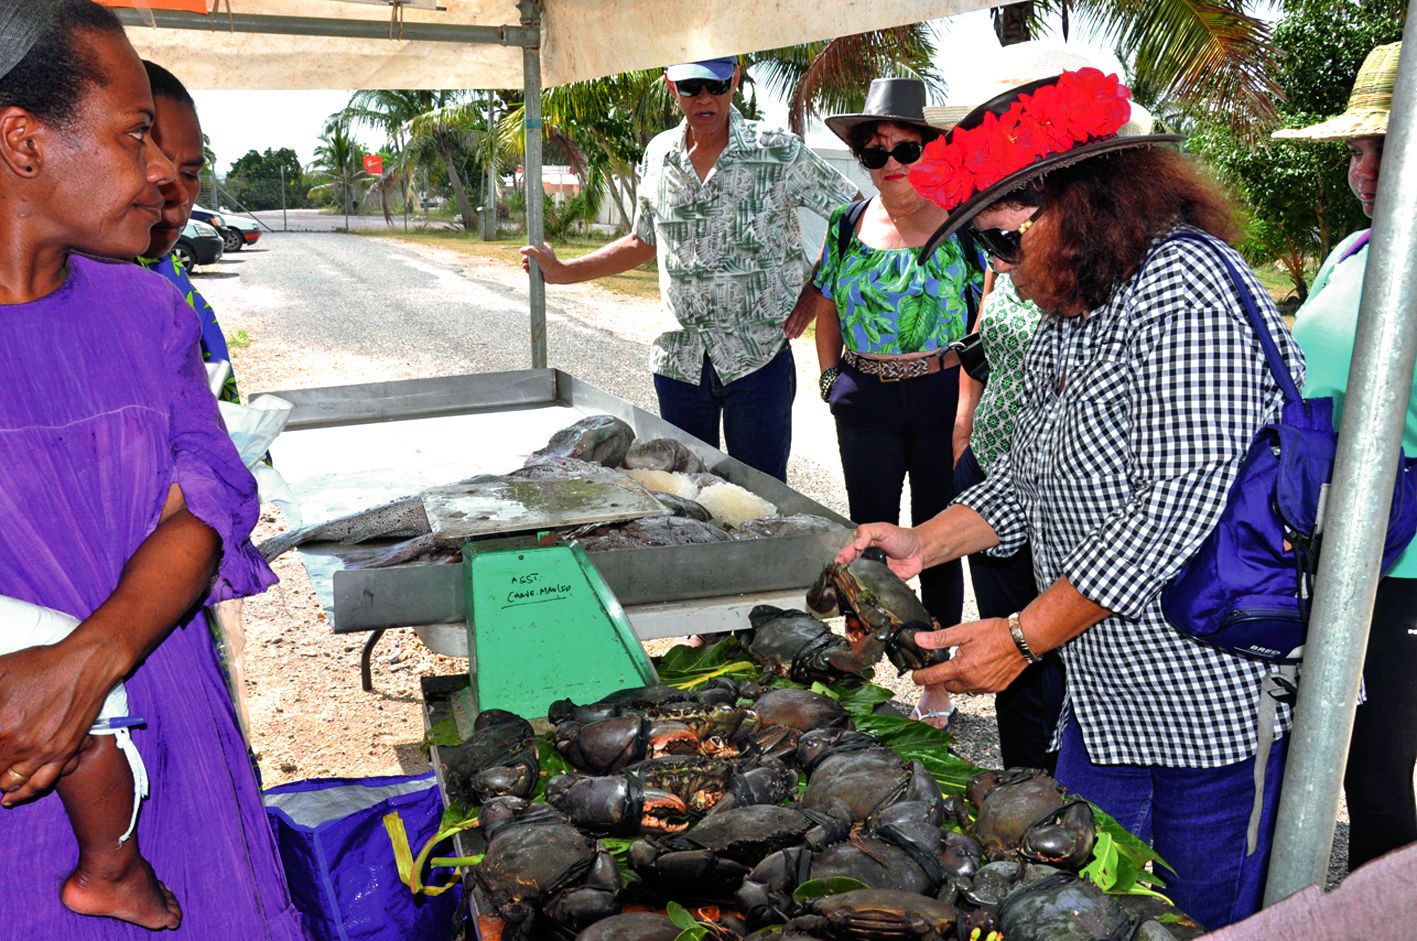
{"points": [[637, 282]]}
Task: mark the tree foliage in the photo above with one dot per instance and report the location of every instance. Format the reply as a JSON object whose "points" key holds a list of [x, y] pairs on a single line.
{"points": [[1297, 191], [255, 180]]}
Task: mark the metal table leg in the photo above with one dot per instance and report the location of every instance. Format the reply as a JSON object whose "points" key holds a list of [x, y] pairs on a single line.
{"points": [[365, 679]]}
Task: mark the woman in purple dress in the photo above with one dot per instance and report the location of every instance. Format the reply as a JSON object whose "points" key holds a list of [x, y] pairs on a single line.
{"points": [[122, 502]]}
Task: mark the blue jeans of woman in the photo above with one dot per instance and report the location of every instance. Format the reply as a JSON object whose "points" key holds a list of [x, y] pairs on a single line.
{"points": [[756, 411], [887, 431], [1195, 818], [1028, 708]]}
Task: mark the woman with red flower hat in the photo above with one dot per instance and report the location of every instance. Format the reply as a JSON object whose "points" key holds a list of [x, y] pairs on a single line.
{"points": [[1143, 387]]}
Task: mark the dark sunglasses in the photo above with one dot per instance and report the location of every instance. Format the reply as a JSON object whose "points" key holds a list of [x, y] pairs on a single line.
{"points": [[1003, 244], [691, 87], [906, 152]]}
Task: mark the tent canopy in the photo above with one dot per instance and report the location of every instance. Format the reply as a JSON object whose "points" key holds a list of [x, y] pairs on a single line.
{"points": [[306, 44]]}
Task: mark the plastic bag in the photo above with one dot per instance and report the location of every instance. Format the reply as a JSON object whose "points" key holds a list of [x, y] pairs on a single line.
{"points": [[341, 866]]}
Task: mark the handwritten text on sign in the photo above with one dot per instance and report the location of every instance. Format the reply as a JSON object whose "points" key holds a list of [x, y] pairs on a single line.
{"points": [[529, 589]]}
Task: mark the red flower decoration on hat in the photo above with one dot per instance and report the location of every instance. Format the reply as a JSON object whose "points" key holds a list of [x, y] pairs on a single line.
{"points": [[1079, 108]]}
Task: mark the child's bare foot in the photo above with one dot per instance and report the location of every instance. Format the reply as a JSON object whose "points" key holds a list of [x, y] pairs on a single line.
{"points": [[124, 888]]}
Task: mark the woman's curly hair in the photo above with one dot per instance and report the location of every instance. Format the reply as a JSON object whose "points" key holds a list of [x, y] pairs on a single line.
{"points": [[1103, 214]]}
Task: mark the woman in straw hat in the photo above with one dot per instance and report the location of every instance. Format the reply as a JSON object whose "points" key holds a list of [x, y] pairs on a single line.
{"points": [[124, 507], [885, 320], [1143, 388], [1378, 781]]}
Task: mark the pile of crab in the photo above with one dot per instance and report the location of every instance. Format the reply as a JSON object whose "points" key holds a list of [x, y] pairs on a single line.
{"points": [[763, 807]]}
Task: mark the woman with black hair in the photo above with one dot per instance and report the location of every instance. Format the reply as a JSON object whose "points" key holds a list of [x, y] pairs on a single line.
{"points": [[124, 507], [885, 321], [178, 134]]}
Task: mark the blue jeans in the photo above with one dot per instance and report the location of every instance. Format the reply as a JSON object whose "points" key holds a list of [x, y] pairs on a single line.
{"points": [[1196, 820], [756, 411]]}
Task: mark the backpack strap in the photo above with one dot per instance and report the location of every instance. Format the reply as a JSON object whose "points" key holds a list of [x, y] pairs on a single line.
{"points": [[1282, 377], [846, 224]]}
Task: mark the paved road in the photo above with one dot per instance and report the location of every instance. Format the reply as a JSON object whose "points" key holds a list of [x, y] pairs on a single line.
{"points": [[318, 220], [416, 312]]}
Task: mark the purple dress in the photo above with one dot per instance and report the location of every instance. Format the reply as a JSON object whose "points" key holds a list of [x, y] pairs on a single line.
{"points": [[104, 404]]}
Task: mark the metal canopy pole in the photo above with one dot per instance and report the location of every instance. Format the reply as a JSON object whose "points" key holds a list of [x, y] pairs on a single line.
{"points": [[535, 221], [331, 26], [1359, 499]]}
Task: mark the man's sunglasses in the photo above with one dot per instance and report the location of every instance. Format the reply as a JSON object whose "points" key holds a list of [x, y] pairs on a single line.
{"points": [[1004, 244], [906, 152], [691, 87]]}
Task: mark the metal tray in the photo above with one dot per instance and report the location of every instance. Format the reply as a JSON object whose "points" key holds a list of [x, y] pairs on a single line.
{"points": [[350, 447]]}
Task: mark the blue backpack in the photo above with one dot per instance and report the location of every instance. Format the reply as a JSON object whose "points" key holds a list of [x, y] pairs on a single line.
{"points": [[1247, 588]]}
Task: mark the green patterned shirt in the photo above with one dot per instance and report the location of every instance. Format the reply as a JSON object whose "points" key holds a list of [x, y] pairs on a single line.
{"points": [[729, 249], [888, 302], [1007, 323]]}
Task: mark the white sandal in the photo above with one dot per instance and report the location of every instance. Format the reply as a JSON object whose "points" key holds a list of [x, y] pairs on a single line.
{"points": [[926, 717]]}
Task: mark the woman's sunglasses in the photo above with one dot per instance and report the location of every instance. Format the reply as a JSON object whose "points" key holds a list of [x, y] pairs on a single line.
{"points": [[691, 87], [905, 153], [1003, 244]]}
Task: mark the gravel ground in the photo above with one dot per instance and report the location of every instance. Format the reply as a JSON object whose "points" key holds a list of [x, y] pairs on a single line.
{"points": [[332, 309]]}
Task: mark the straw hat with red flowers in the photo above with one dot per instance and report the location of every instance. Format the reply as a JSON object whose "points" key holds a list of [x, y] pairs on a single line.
{"points": [[1022, 134]]}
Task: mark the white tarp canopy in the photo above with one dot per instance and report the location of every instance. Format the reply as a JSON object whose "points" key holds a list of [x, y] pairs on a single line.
{"points": [[283, 44]]}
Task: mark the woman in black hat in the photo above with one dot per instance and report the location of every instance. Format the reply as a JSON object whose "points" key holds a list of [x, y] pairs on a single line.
{"points": [[884, 328], [1144, 386]]}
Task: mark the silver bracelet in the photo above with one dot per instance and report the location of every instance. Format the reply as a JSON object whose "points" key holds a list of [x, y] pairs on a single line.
{"points": [[1016, 632]]}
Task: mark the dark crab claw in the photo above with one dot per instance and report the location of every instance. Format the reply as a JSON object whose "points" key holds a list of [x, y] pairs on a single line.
{"points": [[616, 804], [905, 654], [859, 658], [822, 597], [1063, 838]]}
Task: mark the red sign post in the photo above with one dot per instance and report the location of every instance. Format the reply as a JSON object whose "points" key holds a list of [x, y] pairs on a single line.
{"points": [[373, 164]]}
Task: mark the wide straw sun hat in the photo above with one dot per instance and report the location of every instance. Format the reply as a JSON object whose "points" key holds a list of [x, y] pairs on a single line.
{"points": [[1368, 105]]}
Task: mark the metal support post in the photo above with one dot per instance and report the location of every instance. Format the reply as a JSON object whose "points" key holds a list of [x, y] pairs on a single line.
{"points": [[535, 223], [1360, 496], [489, 199], [284, 219]]}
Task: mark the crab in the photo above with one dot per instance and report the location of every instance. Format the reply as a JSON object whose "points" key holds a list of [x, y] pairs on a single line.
{"points": [[538, 867], [880, 610], [1023, 813], [710, 860], [793, 644], [616, 804], [878, 915], [800, 709], [498, 759], [858, 771], [608, 745], [902, 849], [1063, 907]]}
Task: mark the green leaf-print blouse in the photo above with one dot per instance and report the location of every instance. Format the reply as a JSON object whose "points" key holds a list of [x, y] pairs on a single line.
{"points": [[888, 302], [1007, 324]]}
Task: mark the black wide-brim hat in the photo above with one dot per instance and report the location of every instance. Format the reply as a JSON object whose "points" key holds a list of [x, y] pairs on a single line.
{"points": [[892, 100], [963, 214]]}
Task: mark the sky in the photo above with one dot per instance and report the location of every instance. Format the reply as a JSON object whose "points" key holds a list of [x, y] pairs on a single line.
{"points": [[239, 121]]}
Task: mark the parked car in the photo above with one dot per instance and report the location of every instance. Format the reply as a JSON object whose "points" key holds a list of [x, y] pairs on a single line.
{"points": [[249, 232], [230, 235], [199, 244]]}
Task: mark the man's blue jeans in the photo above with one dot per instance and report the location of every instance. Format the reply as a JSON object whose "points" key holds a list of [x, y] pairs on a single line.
{"points": [[1196, 820], [756, 411]]}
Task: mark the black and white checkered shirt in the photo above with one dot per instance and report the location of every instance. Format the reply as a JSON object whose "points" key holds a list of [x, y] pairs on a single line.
{"points": [[1133, 423]]}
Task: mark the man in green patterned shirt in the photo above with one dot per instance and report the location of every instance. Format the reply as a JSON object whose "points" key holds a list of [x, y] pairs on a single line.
{"points": [[717, 205]]}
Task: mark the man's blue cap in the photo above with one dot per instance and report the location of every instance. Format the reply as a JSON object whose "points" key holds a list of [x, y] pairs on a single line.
{"points": [[715, 69]]}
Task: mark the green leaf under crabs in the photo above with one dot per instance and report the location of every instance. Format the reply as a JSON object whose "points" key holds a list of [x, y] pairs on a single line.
{"points": [[680, 916], [686, 667], [861, 701], [552, 763], [443, 734], [832, 885], [898, 732]]}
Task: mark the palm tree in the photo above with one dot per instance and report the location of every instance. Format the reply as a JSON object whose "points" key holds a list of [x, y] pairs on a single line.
{"points": [[339, 159], [1205, 54], [438, 127], [832, 76]]}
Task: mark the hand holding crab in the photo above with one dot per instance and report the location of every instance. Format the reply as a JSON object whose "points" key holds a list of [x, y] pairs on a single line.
{"points": [[984, 659]]}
